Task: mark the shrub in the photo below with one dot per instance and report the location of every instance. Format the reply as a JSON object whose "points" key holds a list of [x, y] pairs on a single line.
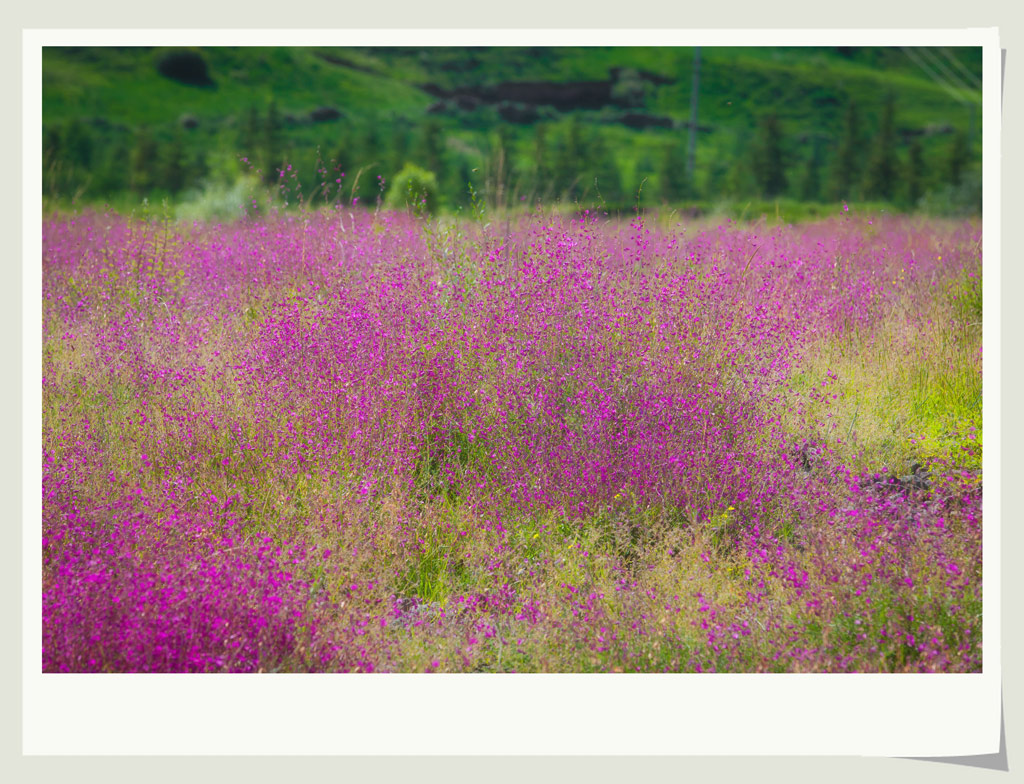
{"points": [[413, 188]]}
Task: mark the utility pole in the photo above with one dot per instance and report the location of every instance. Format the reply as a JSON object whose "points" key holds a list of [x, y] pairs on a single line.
{"points": [[692, 153]]}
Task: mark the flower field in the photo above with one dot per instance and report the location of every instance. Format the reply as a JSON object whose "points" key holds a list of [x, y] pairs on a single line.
{"points": [[357, 442]]}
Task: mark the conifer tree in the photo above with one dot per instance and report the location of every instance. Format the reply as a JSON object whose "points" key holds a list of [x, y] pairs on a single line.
{"points": [[371, 148], [603, 175], [718, 177], [464, 175], [958, 158], [881, 176], [174, 174], [810, 183], [429, 151], [78, 145], [144, 162], [567, 174], [768, 161], [915, 173], [344, 160], [739, 181], [51, 146], [251, 141], [499, 164], [272, 145], [848, 156], [112, 176], [542, 175], [397, 153], [52, 159], [674, 180]]}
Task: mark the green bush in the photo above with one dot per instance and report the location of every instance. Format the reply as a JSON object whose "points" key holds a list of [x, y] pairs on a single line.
{"points": [[960, 200], [219, 200], [413, 188]]}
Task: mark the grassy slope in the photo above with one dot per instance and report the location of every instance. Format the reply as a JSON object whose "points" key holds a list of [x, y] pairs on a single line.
{"points": [[119, 90]]}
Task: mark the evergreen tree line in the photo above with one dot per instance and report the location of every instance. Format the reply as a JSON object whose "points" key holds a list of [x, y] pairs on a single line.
{"points": [[861, 167], [568, 162]]}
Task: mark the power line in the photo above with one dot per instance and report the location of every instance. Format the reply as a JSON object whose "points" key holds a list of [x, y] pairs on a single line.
{"points": [[952, 77], [934, 76], [970, 76]]}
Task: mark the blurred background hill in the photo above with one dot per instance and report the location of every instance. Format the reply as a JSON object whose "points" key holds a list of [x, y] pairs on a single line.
{"points": [[452, 128]]}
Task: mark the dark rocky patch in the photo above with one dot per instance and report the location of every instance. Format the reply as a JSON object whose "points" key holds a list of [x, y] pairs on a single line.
{"points": [[938, 129], [408, 610], [467, 103], [561, 95], [188, 122], [884, 483], [811, 138], [917, 479], [809, 457], [639, 120], [324, 114], [185, 67], [647, 76], [825, 101], [518, 113]]}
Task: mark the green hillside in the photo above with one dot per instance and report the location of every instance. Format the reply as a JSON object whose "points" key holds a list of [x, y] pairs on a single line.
{"points": [[583, 125]]}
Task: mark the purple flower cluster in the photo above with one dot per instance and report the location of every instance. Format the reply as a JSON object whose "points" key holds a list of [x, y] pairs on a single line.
{"points": [[344, 441]]}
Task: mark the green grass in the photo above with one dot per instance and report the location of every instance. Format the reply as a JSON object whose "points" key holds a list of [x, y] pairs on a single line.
{"points": [[910, 392], [115, 92]]}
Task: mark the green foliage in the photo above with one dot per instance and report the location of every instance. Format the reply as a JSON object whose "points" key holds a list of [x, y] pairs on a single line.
{"points": [[675, 181], [603, 174], [175, 173], [630, 89], [430, 146], [98, 101], [144, 162], [78, 145], [413, 188], [848, 156], [810, 183], [499, 161], [219, 201], [915, 173], [542, 173], [881, 176], [769, 164], [569, 156], [272, 160], [249, 141], [954, 200], [958, 158]]}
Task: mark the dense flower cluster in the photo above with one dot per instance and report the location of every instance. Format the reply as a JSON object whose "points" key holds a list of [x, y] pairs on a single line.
{"points": [[369, 442]]}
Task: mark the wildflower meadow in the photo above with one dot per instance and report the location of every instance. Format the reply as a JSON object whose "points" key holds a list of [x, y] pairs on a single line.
{"points": [[355, 441]]}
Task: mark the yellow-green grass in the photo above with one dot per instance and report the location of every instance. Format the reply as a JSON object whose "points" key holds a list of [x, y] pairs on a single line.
{"points": [[908, 391]]}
